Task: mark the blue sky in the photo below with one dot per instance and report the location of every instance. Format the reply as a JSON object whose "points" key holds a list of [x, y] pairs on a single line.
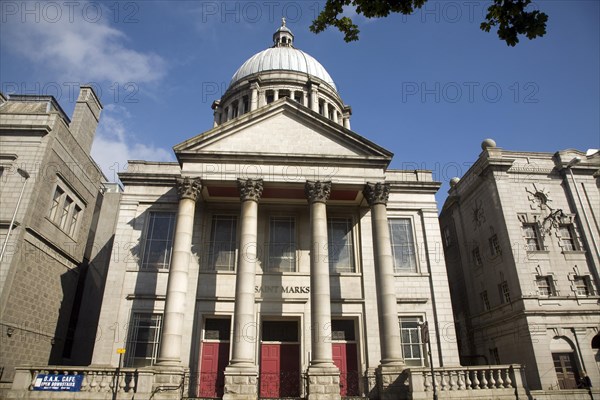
{"points": [[428, 87]]}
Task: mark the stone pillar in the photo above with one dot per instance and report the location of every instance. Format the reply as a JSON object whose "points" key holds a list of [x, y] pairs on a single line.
{"points": [[323, 375], [326, 109], [275, 94], [177, 286], [392, 363], [314, 96], [230, 112], [241, 373], [304, 99], [254, 97]]}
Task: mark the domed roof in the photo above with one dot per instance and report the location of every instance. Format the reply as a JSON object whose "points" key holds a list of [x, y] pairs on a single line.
{"points": [[282, 57]]}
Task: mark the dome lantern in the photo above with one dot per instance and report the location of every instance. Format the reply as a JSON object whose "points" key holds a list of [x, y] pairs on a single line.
{"points": [[283, 37]]}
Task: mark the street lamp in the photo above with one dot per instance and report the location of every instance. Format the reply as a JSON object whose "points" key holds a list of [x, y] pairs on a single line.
{"points": [[25, 175]]}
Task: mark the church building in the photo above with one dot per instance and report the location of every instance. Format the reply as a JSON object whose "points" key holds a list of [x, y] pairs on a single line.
{"points": [[279, 256]]}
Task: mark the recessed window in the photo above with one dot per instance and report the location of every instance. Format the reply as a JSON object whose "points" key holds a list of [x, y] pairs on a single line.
{"points": [[74, 218], [532, 238], [545, 285], [270, 95], [342, 329], [217, 329], [494, 355], [567, 237], [144, 336], [159, 240], [403, 245], [504, 292], [298, 96], [412, 344], [221, 249], [495, 248], [477, 257], [58, 193], [582, 285], [447, 236], [282, 244], [341, 248], [485, 301]]}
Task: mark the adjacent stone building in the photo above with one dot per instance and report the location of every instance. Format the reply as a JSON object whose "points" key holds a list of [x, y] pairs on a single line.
{"points": [[521, 234], [52, 235]]}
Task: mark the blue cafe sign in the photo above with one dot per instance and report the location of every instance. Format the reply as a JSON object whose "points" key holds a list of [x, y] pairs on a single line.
{"points": [[59, 382]]}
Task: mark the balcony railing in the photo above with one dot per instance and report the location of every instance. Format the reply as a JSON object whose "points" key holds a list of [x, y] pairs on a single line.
{"points": [[502, 380]]}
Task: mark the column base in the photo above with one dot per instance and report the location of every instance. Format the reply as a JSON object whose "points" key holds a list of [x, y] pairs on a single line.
{"points": [[323, 382], [392, 384], [241, 383]]}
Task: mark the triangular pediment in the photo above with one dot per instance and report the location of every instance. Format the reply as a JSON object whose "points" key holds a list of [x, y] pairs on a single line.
{"points": [[283, 128]]}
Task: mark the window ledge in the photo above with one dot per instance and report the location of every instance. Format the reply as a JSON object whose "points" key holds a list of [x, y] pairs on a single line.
{"points": [[573, 251]]}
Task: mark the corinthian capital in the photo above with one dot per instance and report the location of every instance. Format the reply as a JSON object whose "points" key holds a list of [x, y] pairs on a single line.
{"points": [[188, 188], [377, 193], [250, 189], [317, 191]]}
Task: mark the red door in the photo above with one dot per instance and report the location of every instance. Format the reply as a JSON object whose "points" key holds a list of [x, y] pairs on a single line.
{"points": [[345, 358], [279, 370], [215, 356]]}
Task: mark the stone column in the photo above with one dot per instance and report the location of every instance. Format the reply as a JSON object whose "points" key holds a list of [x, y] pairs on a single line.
{"points": [[392, 363], [314, 96], [275, 94], [326, 109], [241, 374], [323, 375], [254, 97], [177, 286]]}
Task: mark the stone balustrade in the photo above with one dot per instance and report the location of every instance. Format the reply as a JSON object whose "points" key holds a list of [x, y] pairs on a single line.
{"points": [[489, 381], [97, 382]]}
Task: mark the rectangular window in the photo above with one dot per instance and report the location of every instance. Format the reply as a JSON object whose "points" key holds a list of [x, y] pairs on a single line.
{"points": [[217, 329], [495, 248], [477, 257], [74, 219], [221, 252], [494, 356], [447, 236], [410, 336], [282, 244], [64, 217], [340, 249], [582, 286], [403, 245], [144, 336], [485, 301], [504, 292], [159, 240], [532, 239], [544, 285], [342, 329], [55, 203], [567, 237]]}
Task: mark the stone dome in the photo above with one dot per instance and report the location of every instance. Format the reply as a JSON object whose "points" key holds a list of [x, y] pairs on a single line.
{"points": [[282, 57]]}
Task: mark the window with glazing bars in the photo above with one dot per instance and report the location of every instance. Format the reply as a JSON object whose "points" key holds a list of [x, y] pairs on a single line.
{"points": [[582, 286], [504, 292], [159, 240], [532, 238], [282, 244], [567, 237], [221, 251], [544, 285], [144, 337], [412, 345], [403, 245], [341, 248]]}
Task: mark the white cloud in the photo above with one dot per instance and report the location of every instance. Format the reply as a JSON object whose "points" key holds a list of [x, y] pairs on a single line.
{"points": [[114, 146], [76, 48]]}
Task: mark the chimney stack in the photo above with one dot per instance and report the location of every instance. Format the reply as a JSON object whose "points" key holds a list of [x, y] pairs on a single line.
{"points": [[85, 117]]}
